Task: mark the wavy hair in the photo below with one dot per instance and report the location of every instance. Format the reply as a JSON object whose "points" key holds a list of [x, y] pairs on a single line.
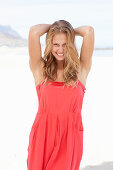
{"points": [[71, 61]]}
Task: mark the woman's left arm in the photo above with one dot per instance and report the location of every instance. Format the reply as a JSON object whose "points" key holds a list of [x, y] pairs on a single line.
{"points": [[87, 32]]}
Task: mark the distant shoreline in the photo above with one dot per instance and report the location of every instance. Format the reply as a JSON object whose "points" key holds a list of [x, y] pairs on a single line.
{"points": [[104, 48]]}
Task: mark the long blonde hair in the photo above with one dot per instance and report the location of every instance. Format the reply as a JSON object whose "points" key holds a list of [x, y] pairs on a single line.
{"points": [[71, 62]]}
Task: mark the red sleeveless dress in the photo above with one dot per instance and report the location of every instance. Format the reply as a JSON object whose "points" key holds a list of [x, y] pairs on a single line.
{"points": [[56, 137]]}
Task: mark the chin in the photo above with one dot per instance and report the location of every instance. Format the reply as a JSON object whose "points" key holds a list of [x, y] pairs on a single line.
{"points": [[60, 59]]}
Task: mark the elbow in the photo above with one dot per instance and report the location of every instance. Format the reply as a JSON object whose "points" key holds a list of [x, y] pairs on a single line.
{"points": [[90, 29], [34, 29]]}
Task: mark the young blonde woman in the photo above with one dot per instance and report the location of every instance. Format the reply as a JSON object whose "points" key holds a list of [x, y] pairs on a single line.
{"points": [[56, 137]]}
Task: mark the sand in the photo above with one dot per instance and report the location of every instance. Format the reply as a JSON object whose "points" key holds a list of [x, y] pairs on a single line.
{"points": [[19, 104]]}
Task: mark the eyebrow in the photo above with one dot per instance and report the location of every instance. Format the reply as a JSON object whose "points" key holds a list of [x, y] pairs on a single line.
{"points": [[57, 43]]}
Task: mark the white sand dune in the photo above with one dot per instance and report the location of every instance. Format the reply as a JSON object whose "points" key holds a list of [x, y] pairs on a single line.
{"points": [[19, 104]]}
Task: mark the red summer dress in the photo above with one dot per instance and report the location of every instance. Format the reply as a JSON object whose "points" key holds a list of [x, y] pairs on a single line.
{"points": [[56, 137]]}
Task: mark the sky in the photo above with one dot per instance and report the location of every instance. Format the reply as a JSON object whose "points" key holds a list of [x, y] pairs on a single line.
{"points": [[20, 15], [36, 2]]}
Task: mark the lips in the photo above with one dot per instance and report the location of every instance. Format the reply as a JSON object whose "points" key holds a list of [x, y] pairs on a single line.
{"points": [[60, 54]]}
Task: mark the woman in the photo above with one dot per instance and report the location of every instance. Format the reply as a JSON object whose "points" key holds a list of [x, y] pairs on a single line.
{"points": [[56, 137]]}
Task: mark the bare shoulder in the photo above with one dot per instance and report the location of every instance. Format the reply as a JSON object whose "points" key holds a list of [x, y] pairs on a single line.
{"points": [[38, 72]]}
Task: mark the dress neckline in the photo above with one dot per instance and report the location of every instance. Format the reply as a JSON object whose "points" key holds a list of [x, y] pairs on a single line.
{"points": [[60, 83]]}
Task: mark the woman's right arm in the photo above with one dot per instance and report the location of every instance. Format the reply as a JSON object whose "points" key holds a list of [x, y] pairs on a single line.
{"points": [[87, 32], [34, 45]]}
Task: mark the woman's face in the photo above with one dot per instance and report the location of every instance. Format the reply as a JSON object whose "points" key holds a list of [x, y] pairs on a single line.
{"points": [[59, 46]]}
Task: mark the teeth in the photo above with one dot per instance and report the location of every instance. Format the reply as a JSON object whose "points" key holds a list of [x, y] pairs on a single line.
{"points": [[60, 54]]}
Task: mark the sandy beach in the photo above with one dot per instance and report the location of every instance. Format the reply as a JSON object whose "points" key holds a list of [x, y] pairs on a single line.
{"points": [[19, 104]]}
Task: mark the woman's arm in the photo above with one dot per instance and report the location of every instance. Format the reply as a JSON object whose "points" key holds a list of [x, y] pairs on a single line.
{"points": [[82, 30], [35, 52], [40, 29], [87, 32]]}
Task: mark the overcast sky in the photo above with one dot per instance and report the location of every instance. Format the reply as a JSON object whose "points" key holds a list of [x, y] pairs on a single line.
{"points": [[36, 2], [21, 14]]}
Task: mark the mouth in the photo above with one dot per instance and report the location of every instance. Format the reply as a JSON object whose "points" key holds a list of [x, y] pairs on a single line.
{"points": [[60, 54]]}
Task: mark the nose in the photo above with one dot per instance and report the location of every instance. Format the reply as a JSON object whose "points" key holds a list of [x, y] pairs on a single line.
{"points": [[61, 49]]}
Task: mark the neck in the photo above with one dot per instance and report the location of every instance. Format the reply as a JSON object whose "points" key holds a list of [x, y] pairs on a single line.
{"points": [[60, 65]]}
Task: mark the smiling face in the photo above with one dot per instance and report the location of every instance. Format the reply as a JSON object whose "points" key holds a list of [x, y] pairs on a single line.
{"points": [[59, 46]]}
